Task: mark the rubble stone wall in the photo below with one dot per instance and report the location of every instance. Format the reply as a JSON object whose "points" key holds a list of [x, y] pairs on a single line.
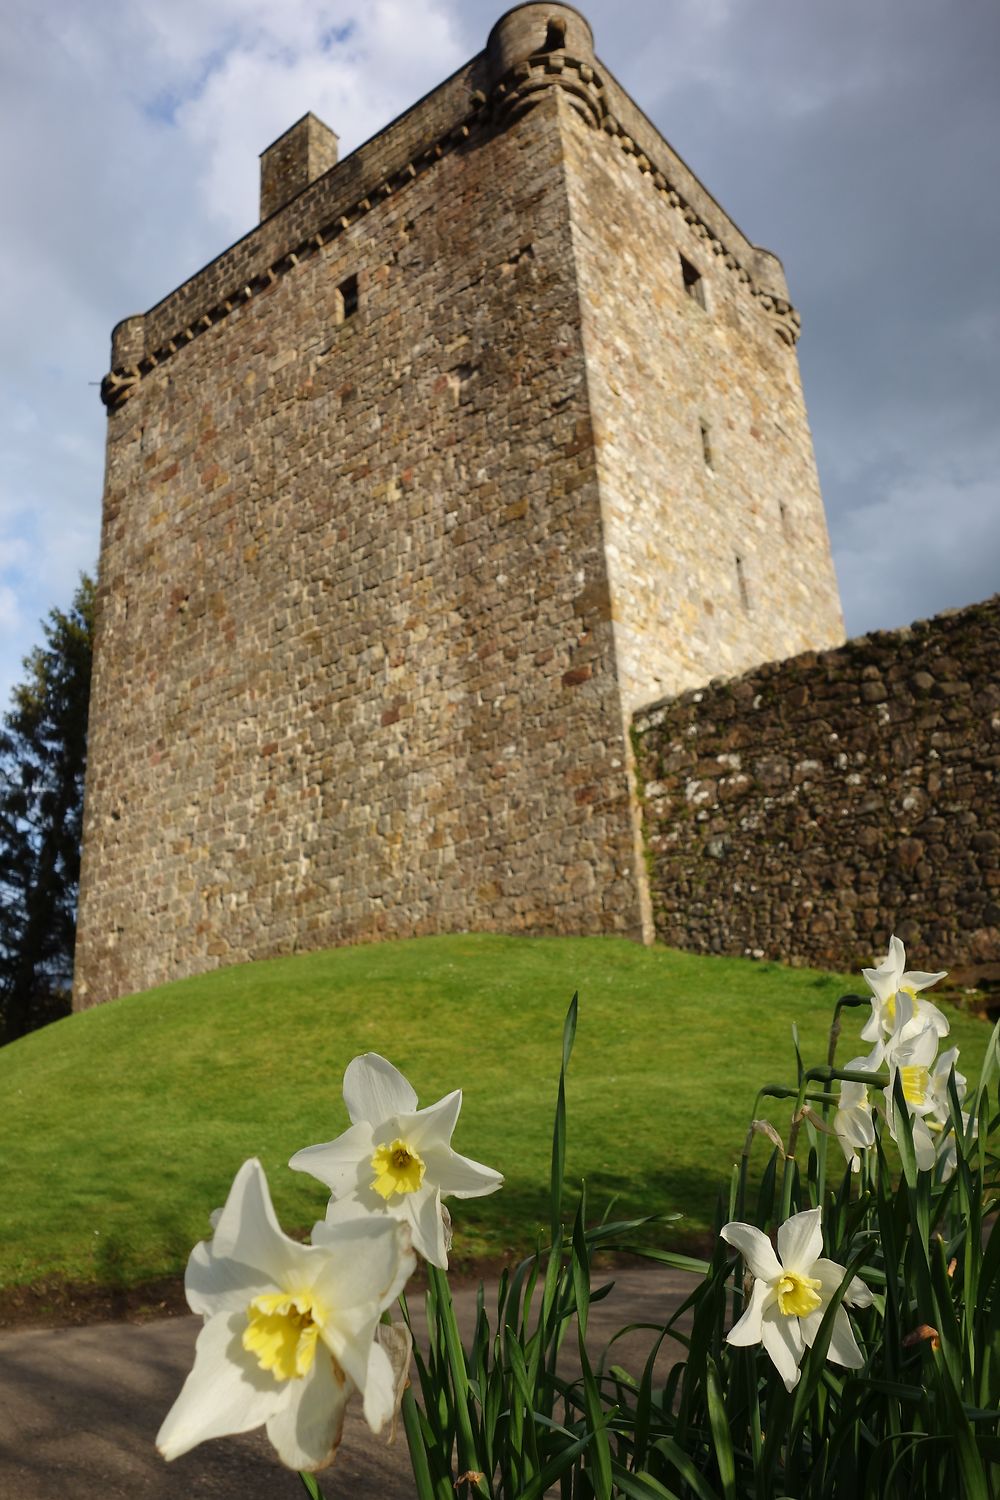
{"points": [[810, 807]]}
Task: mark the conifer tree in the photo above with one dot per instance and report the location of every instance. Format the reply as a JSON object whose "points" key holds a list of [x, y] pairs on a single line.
{"points": [[43, 742]]}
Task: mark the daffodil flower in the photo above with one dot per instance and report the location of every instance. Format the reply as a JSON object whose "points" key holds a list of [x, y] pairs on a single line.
{"points": [[396, 1160], [791, 1294], [290, 1330], [853, 1121], [910, 1056], [887, 983]]}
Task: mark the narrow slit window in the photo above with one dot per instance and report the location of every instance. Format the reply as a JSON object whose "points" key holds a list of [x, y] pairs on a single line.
{"points": [[694, 282], [706, 445], [786, 525], [741, 579], [347, 291], [555, 36]]}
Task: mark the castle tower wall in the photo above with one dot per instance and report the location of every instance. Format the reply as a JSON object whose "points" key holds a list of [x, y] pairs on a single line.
{"points": [[713, 521], [403, 516], [355, 672]]}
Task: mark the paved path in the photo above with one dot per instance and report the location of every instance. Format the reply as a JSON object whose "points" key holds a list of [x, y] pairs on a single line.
{"points": [[80, 1408]]}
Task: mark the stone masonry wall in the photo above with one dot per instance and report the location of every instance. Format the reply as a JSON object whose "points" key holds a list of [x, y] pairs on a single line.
{"points": [[813, 806], [354, 673], [718, 554], [408, 503]]}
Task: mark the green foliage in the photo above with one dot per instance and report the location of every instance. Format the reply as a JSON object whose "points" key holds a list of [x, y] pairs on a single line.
{"points": [[919, 1421], [515, 1425], [42, 760], [125, 1124]]}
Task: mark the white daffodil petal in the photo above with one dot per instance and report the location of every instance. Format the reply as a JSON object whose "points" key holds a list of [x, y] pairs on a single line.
{"points": [[380, 1389], [782, 1338], [375, 1091], [922, 1050], [747, 1330], [915, 980], [924, 1148], [366, 1261], [800, 1240], [460, 1176], [830, 1275], [305, 1431], [225, 1392], [341, 1164], [858, 1294], [872, 1029], [883, 981], [811, 1322], [423, 1214], [843, 1348], [397, 1341], [855, 1128], [248, 1230], [928, 1014], [344, 1211], [755, 1248], [433, 1125], [214, 1284]]}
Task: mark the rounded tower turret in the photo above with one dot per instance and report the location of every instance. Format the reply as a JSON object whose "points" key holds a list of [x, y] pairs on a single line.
{"points": [[538, 46]]}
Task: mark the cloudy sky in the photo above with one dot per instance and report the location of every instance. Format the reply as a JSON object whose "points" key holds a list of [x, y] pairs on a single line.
{"points": [[860, 139]]}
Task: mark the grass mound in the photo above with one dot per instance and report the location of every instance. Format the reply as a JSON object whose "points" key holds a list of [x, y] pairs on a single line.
{"points": [[124, 1126]]}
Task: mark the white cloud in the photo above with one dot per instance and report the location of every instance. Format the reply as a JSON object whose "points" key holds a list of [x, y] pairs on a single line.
{"points": [[354, 71]]}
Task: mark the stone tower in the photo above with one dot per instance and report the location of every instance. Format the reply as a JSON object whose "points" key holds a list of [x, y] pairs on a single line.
{"points": [[486, 436]]}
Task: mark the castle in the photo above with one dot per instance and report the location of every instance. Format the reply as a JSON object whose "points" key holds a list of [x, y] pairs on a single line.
{"points": [[486, 437]]}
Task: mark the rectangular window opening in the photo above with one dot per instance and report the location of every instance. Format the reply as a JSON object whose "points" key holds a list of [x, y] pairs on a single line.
{"points": [[742, 582], [786, 525], [347, 292], [706, 444], [694, 282]]}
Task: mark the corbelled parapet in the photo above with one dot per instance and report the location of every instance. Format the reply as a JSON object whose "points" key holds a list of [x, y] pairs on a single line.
{"points": [[309, 198], [128, 347], [535, 47]]}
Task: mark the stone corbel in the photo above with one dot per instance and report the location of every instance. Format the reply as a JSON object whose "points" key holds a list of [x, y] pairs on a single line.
{"points": [[117, 386]]}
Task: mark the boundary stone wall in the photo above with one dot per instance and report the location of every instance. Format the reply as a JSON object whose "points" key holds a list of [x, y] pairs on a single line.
{"points": [[812, 806]]}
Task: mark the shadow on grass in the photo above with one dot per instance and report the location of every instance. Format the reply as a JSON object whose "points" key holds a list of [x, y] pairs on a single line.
{"points": [[497, 1231]]}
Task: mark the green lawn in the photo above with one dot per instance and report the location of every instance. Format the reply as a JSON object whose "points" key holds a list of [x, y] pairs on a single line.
{"points": [[123, 1127]]}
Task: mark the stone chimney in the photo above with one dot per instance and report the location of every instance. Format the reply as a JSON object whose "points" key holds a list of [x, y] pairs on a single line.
{"points": [[305, 151]]}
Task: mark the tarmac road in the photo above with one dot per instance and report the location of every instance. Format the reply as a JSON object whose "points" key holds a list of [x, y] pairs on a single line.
{"points": [[80, 1408]]}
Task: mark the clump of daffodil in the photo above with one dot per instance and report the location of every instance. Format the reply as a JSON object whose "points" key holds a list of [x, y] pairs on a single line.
{"points": [[396, 1160], [889, 983], [291, 1331], [791, 1292]]}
